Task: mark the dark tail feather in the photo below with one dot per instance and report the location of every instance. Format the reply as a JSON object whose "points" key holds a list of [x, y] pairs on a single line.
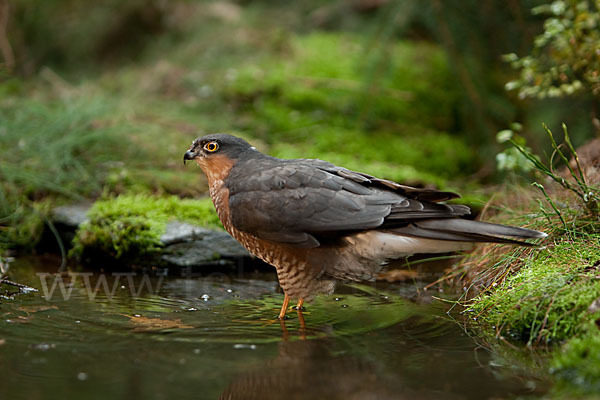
{"points": [[478, 227], [464, 230]]}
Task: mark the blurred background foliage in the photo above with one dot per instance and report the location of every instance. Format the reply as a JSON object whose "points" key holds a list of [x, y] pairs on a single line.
{"points": [[102, 98], [566, 57]]}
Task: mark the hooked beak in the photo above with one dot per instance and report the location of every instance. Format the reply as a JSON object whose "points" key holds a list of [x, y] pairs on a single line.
{"points": [[189, 155]]}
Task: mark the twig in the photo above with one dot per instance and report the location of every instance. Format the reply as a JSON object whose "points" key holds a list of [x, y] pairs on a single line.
{"points": [[19, 285]]}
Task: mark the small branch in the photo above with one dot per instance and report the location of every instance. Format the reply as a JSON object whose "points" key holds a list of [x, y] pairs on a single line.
{"points": [[23, 288]]}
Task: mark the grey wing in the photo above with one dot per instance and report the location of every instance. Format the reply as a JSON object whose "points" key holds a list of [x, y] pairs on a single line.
{"points": [[430, 195], [296, 201], [291, 203]]}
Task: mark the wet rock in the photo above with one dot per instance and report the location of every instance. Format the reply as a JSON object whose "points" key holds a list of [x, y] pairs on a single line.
{"points": [[71, 216], [178, 232], [188, 245], [201, 246]]}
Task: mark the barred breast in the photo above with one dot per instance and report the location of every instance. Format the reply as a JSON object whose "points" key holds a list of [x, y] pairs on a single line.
{"points": [[297, 276]]}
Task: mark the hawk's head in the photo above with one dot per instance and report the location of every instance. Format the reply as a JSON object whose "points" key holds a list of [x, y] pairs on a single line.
{"points": [[217, 153]]}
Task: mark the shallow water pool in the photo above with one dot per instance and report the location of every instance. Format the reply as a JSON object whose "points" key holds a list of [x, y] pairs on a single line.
{"points": [[119, 336]]}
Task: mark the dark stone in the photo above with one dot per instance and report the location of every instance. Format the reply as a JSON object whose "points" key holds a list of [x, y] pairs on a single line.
{"points": [[193, 246]]}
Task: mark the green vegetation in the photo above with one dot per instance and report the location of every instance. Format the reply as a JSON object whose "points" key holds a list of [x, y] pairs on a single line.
{"points": [[327, 100], [35, 41], [564, 59], [410, 91], [387, 109], [546, 296], [48, 150], [59, 150], [549, 296], [577, 367], [129, 227], [547, 299], [84, 121]]}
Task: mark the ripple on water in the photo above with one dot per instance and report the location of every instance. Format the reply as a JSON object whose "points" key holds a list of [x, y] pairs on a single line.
{"points": [[193, 310]]}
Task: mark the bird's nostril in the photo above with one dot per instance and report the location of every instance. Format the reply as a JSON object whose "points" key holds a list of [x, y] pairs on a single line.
{"points": [[189, 155]]}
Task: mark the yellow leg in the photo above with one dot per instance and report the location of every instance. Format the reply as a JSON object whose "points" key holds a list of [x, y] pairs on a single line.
{"points": [[286, 303], [299, 305]]}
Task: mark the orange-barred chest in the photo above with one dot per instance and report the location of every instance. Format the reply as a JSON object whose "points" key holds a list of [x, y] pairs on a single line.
{"points": [[220, 198]]}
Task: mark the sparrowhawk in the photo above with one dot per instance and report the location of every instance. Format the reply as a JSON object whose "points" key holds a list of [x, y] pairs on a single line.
{"points": [[318, 223]]}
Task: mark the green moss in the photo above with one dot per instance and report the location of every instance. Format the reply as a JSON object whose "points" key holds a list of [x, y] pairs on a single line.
{"points": [[543, 295], [548, 298], [577, 367], [130, 226], [338, 75]]}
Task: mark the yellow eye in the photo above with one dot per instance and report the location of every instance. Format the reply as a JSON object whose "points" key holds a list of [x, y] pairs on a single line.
{"points": [[211, 147]]}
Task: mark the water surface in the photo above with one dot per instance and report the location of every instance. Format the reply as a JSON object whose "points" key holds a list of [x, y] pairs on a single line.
{"points": [[216, 335]]}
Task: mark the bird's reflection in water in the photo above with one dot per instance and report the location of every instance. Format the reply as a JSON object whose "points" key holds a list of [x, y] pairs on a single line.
{"points": [[418, 358], [306, 370], [313, 369]]}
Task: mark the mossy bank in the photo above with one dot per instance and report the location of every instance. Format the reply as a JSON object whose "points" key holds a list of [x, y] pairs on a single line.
{"points": [[546, 297]]}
